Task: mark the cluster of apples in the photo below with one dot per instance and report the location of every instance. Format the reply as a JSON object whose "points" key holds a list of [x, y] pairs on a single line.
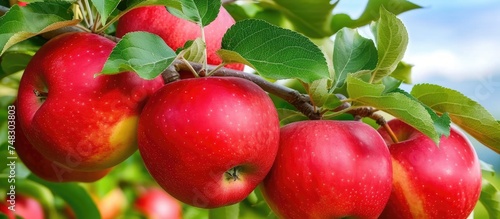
{"points": [[211, 141]]}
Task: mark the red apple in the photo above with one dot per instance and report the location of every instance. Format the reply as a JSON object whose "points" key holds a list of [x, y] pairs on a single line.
{"points": [[47, 169], [209, 141], [25, 207], [431, 181], [157, 204], [4, 210], [74, 118], [111, 206], [176, 31], [329, 169]]}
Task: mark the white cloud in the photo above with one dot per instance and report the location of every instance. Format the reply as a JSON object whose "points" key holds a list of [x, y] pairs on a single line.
{"points": [[472, 61]]}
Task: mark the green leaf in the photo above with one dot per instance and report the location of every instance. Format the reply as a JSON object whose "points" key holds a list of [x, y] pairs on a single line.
{"points": [[358, 88], [352, 53], [372, 9], [253, 198], [441, 123], [287, 116], [193, 50], [21, 23], [371, 13], [227, 212], [141, 52], [403, 72], [332, 102], [392, 40], [465, 112], [241, 11], [73, 194], [12, 62], [319, 90], [132, 4], [140, 3], [310, 17], [391, 84], [31, 188], [273, 16], [200, 12], [105, 8], [490, 198], [273, 52], [396, 104], [487, 168]]}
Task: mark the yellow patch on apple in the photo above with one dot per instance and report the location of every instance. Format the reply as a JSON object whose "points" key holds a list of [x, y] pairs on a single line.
{"points": [[402, 181], [124, 137]]}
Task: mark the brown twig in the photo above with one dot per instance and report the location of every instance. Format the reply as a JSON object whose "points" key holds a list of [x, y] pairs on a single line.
{"points": [[298, 100], [369, 112]]}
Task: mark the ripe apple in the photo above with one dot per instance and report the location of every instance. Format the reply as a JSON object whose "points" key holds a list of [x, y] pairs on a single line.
{"points": [[431, 181], [4, 210], [329, 169], [209, 141], [74, 118], [47, 169], [176, 31], [25, 207], [155, 203], [112, 204]]}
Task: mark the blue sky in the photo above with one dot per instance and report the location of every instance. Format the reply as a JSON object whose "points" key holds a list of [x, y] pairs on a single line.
{"points": [[455, 44]]}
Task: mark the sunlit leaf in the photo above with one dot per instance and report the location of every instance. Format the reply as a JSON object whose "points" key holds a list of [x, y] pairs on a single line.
{"points": [[352, 53], [144, 53], [200, 12], [193, 50], [396, 104], [21, 23], [403, 72], [310, 17], [463, 111], [105, 8], [371, 13], [490, 198], [442, 123], [274, 52], [392, 40]]}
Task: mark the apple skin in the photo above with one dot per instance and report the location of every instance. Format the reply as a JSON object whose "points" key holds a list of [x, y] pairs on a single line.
{"points": [[155, 203], [431, 182], [193, 131], [85, 122], [4, 210], [26, 207], [329, 169], [47, 169], [176, 31]]}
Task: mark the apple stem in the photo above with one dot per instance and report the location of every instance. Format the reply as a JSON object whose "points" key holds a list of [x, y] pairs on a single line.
{"points": [[205, 54], [361, 112], [89, 13], [79, 12], [391, 133], [190, 67]]}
